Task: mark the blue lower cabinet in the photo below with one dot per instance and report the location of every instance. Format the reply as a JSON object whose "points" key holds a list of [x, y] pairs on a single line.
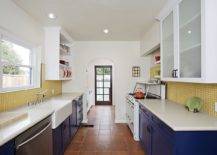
{"points": [[159, 139], [145, 135], [196, 143], [61, 138], [58, 141], [161, 143], [8, 148], [66, 133], [73, 121]]}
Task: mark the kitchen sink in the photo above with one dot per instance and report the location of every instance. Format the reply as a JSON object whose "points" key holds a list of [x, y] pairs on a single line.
{"points": [[62, 109]]}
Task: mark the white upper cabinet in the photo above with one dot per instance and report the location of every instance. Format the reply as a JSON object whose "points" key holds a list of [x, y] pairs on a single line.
{"points": [[188, 42], [168, 45], [190, 39], [57, 54]]}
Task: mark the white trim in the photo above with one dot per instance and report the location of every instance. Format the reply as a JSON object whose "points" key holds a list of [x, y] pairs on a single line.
{"points": [[120, 120], [12, 37], [34, 61], [189, 80], [15, 89], [85, 121]]}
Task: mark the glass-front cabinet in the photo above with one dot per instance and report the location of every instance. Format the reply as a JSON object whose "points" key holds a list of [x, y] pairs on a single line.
{"points": [[187, 45], [190, 39], [168, 45]]}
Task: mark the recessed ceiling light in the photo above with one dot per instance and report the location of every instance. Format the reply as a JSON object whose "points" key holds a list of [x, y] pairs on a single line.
{"points": [[52, 16], [106, 31], [189, 32]]}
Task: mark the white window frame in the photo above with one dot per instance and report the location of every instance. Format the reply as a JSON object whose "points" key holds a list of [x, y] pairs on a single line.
{"points": [[34, 63]]}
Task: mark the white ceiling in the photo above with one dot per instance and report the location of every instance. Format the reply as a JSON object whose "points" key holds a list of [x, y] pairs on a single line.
{"points": [[86, 19]]}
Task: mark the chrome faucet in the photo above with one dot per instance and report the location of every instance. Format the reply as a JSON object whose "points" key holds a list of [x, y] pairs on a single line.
{"points": [[40, 96]]}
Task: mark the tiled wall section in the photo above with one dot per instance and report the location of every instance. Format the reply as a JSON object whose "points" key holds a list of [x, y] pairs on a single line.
{"points": [[155, 71], [12, 100], [180, 92]]}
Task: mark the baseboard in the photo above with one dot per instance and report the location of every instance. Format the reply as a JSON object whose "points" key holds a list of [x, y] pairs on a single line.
{"points": [[85, 121], [120, 121]]}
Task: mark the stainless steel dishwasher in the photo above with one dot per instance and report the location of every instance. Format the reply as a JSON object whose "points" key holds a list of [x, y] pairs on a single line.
{"points": [[37, 140]]}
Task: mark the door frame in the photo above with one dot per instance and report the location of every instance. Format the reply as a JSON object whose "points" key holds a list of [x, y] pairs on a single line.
{"points": [[111, 91]]}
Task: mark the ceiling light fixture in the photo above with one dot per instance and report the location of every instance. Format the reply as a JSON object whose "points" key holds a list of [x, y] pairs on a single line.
{"points": [[189, 32], [106, 31], [52, 16]]}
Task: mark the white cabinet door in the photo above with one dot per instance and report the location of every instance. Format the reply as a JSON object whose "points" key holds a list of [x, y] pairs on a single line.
{"points": [[167, 46], [190, 39]]}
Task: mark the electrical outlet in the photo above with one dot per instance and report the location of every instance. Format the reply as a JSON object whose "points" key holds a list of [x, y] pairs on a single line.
{"points": [[52, 91], [215, 106]]}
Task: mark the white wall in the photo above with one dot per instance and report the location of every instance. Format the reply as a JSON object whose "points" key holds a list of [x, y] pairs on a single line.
{"points": [[150, 39], [17, 22], [124, 55], [91, 78], [18, 25]]}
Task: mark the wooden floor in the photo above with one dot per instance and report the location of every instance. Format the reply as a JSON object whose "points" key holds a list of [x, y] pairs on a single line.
{"points": [[105, 138]]}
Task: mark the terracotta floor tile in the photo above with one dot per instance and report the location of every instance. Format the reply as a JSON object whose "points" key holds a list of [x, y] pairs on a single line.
{"points": [[103, 153], [105, 138], [74, 146], [87, 153], [121, 153], [69, 152], [104, 132]]}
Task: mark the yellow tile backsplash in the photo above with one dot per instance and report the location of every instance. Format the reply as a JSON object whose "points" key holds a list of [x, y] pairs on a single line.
{"points": [[155, 71], [15, 99], [180, 92]]}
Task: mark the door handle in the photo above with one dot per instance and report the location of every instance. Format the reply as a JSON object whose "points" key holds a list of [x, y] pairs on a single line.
{"points": [[33, 137], [174, 73]]}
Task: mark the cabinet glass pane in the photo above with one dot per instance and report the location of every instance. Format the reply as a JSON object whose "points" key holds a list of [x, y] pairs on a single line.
{"points": [[168, 45], [190, 38]]}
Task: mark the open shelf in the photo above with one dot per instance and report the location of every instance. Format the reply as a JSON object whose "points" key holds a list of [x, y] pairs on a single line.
{"points": [[57, 47]]}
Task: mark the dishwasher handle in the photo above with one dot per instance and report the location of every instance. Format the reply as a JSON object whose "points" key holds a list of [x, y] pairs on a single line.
{"points": [[33, 137]]}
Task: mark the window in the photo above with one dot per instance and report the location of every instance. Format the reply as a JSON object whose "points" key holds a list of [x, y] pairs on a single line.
{"points": [[17, 66]]}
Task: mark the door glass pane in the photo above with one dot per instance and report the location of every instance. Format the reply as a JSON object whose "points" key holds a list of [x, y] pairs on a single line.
{"points": [[106, 90], [99, 90], [107, 71], [190, 38], [99, 77], [99, 84], [106, 84], [168, 46], [106, 97], [99, 71], [107, 77], [99, 97]]}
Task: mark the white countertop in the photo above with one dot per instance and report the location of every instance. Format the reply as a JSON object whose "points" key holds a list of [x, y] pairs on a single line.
{"points": [[178, 118], [36, 113]]}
